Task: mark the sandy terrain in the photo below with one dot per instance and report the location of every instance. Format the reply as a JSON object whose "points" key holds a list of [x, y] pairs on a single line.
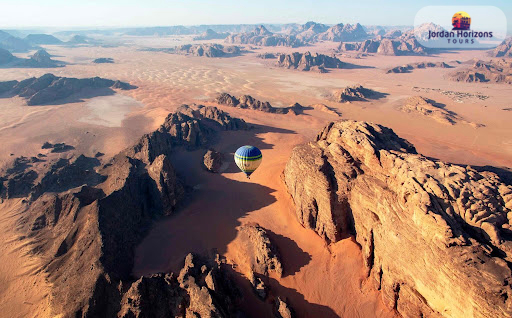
{"points": [[221, 202]]}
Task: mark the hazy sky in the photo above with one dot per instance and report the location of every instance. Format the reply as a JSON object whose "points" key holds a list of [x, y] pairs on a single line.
{"points": [[96, 13]]}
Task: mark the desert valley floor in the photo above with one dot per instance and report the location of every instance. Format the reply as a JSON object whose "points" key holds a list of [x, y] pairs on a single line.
{"points": [[320, 280]]}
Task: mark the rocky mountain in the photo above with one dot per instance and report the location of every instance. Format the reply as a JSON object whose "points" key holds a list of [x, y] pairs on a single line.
{"points": [[407, 68], [307, 61], [263, 37], [429, 108], [435, 237], [42, 39], [504, 49], [354, 93], [85, 219], [40, 59], [209, 34], [6, 57], [249, 102], [493, 71], [406, 44], [308, 31], [12, 43], [208, 50], [49, 88], [343, 32]]}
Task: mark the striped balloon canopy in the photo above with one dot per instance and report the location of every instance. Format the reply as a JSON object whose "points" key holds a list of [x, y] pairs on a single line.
{"points": [[248, 159]]}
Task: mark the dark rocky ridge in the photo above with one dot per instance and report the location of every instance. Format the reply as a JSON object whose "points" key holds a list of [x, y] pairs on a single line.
{"points": [[49, 88], [307, 61], [103, 60], [85, 220], [435, 237], [407, 68], [249, 102]]}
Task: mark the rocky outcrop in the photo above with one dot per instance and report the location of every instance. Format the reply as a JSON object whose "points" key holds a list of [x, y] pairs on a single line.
{"points": [[310, 30], [341, 32], [281, 309], [204, 288], [263, 37], [407, 68], [406, 44], [40, 59], [503, 50], [435, 237], [307, 61], [85, 219], [263, 256], [207, 50], [13, 44], [102, 60], [212, 160], [429, 108], [354, 93], [249, 102], [209, 34], [49, 88], [494, 71], [42, 39]]}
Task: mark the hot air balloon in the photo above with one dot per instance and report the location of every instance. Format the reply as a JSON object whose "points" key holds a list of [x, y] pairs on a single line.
{"points": [[248, 159]]}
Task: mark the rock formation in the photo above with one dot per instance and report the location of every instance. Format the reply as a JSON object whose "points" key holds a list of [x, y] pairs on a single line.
{"points": [[50, 88], [209, 34], [207, 50], [427, 107], [354, 93], [308, 61], [103, 60], [6, 57], [263, 256], [435, 237], [406, 44], [42, 39], [263, 37], [341, 32], [407, 68], [13, 44], [310, 30], [249, 102], [85, 219], [504, 49], [39, 59], [212, 160], [494, 71]]}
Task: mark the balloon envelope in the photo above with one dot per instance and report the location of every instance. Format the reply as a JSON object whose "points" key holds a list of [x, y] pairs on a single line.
{"points": [[248, 159]]}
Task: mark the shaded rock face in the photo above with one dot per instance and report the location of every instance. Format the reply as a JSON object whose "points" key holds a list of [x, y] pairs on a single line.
{"points": [[85, 219], [204, 288], [504, 49], [209, 34], [212, 160], [262, 37], [407, 68], [50, 88], [247, 101], [341, 32], [435, 237], [208, 50], [307, 61], [494, 71], [354, 93]]}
